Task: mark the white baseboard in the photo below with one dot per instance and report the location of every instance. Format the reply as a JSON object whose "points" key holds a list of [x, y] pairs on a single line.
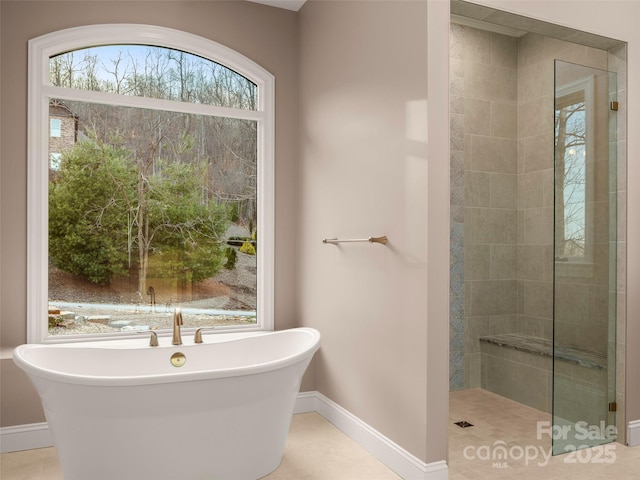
{"points": [[25, 437], [395, 457], [633, 433], [407, 466], [306, 402]]}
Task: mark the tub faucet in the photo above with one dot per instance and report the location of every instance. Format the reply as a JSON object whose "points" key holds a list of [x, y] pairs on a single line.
{"points": [[177, 321], [197, 338]]}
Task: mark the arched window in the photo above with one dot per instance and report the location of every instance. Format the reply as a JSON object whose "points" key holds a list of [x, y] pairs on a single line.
{"points": [[151, 184]]}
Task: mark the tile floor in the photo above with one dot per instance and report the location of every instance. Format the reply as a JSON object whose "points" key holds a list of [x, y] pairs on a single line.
{"points": [[316, 450], [497, 419]]}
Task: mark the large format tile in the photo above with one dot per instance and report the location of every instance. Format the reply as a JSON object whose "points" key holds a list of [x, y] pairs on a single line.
{"points": [[315, 450]]}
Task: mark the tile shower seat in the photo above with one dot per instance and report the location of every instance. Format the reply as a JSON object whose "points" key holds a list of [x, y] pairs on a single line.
{"points": [[544, 347], [520, 367]]}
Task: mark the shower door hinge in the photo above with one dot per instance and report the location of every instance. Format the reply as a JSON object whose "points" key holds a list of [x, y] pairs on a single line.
{"points": [[614, 106], [613, 406]]}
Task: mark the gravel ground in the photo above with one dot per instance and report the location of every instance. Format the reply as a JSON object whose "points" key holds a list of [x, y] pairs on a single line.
{"points": [[229, 290], [149, 323]]}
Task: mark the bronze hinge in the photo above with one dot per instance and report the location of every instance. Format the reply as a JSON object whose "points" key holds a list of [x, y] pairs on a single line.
{"points": [[614, 106], [613, 406]]}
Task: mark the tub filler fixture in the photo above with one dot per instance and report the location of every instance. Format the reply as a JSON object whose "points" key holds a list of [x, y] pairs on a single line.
{"points": [[120, 409]]}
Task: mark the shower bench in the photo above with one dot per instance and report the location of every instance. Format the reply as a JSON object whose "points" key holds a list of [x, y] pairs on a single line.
{"points": [[520, 367]]}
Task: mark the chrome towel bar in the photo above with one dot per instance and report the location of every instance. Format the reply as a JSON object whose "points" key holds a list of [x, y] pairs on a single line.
{"points": [[383, 240]]}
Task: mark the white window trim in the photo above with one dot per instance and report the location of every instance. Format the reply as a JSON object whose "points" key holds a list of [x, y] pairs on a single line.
{"points": [[40, 90]]}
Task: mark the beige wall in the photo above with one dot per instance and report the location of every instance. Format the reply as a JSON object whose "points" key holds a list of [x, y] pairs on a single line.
{"points": [[364, 172], [264, 34]]}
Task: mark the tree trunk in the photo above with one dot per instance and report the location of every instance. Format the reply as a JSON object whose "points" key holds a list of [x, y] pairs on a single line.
{"points": [[559, 187], [143, 231]]}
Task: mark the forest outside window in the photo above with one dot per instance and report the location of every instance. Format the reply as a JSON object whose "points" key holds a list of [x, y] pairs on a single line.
{"points": [[574, 176], [156, 190]]}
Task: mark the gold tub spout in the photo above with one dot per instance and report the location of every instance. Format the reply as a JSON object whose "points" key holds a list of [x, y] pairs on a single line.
{"points": [[177, 321]]}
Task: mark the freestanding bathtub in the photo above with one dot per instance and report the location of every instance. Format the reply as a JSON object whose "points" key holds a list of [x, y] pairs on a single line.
{"points": [[119, 409]]}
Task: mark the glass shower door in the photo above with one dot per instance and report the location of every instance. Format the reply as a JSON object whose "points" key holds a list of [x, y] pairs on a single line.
{"points": [[584, 321]]}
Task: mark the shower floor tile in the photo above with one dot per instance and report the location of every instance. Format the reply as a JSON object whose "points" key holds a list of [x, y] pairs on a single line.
{"points": [[507, 442]]}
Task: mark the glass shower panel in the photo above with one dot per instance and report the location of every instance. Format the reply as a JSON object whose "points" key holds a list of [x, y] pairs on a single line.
{"points": [[584, 321]]}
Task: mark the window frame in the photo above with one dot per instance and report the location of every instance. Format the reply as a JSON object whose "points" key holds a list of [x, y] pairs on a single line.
{"points": [[40, 91]]}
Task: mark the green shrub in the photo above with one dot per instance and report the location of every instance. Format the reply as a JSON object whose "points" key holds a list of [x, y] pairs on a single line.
{"points": [[248, 248]]}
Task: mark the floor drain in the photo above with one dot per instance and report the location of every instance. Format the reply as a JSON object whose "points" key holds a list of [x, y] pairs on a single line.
{"points": [[464, 424]]}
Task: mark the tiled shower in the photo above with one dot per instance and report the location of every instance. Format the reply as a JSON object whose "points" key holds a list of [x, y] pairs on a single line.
{"points": [[502, 204]]}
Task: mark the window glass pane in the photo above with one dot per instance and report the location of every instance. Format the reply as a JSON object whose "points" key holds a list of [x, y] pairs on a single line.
{"points": [[55, 126], [571, 158], [149, 210], [152, 72]]}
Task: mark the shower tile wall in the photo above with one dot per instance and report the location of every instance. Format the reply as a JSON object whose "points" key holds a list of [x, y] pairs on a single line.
{"points": [[582, 306], [535, 185], [484, 140], [502, 195], [456, 293], [580, 302]]}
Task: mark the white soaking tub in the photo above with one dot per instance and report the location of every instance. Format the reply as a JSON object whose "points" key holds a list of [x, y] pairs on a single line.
{"points": [[119, 409]]}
